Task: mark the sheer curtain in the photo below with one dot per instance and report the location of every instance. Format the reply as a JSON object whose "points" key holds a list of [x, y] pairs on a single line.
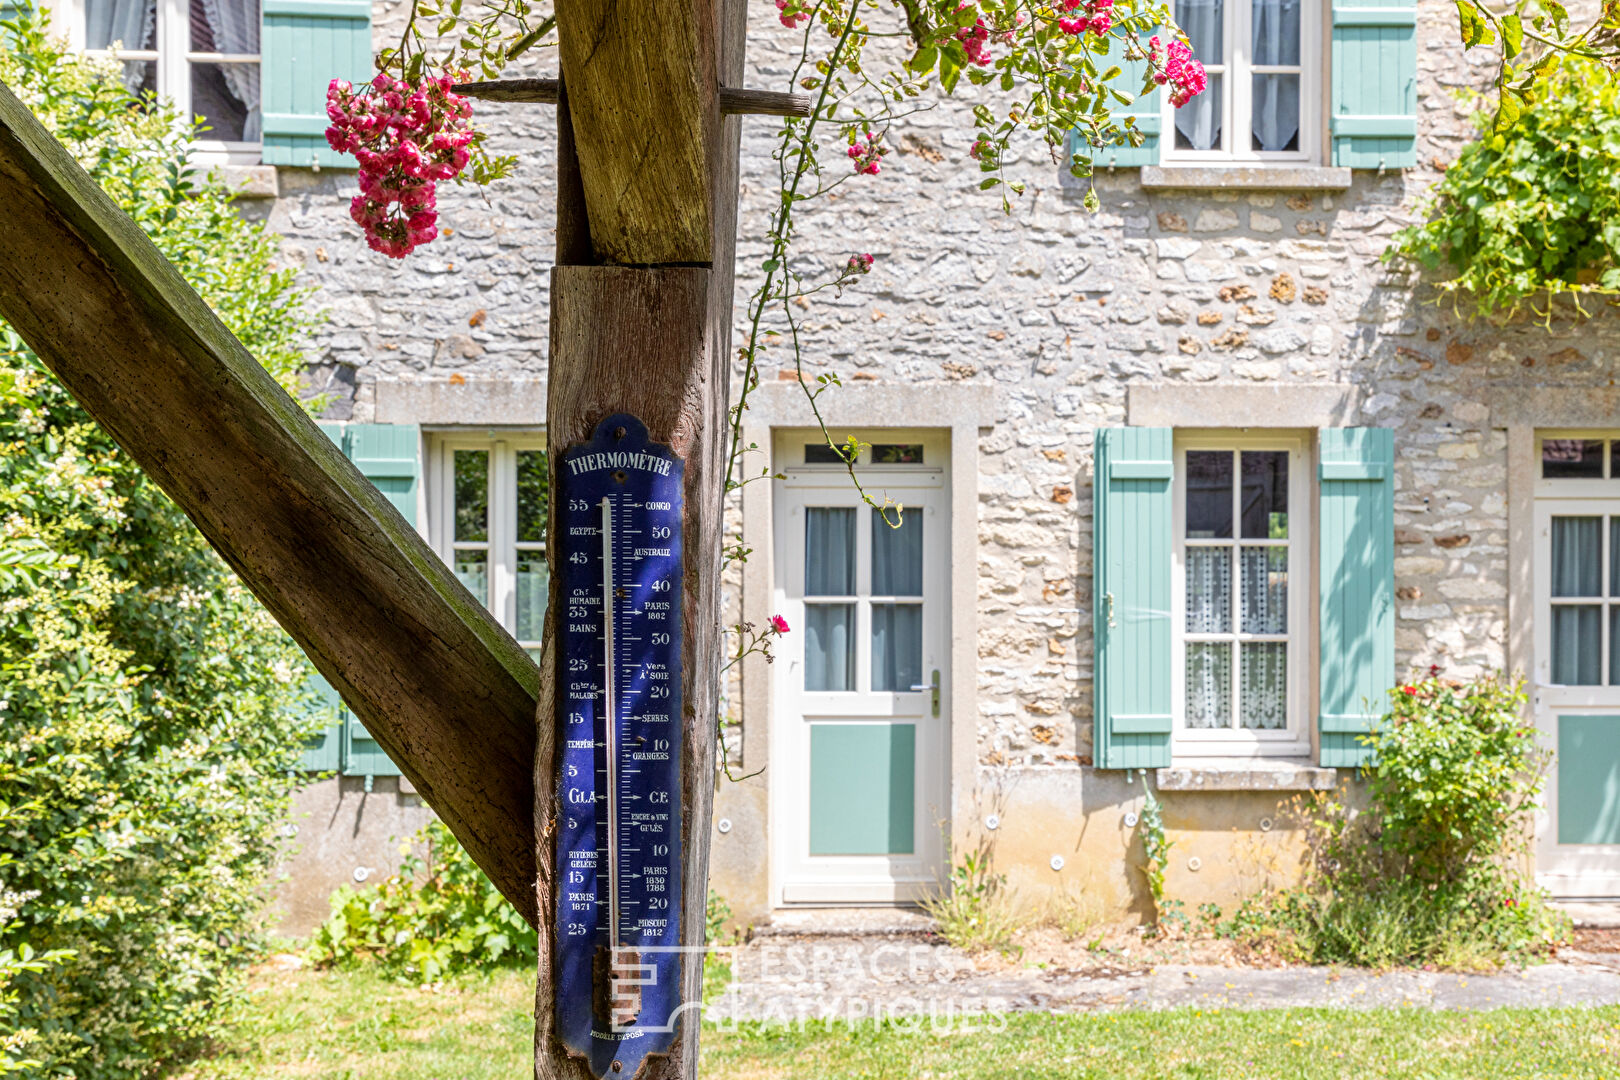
{"points": [[1577, 629], [1264, 689], [1199, 121], [128, 23], [1276, 96], [829, 570], [235, 25]]}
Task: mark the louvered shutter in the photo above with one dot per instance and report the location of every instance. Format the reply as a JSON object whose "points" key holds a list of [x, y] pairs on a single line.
{"points": [[306, 44], [1356, 515], [1374, 92], [1131, 598], [389, 455]]}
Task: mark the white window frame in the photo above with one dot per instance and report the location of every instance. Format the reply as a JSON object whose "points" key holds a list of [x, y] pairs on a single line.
{"points": [[503, 546], [1293, 740], [1237, 104], [174, 59]]}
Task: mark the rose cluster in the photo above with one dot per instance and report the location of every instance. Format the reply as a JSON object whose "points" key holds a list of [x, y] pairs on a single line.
{"points": [[860, 264], [1096, 18], [791, 18], [867, 152], [1174, 65], [406, 139], [975, 40]]}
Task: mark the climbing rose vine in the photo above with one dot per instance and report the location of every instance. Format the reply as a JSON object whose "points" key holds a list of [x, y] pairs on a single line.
{"points": [[406, 139]]}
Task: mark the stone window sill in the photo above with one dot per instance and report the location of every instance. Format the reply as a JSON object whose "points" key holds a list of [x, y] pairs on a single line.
{"points": [[1245, 178], [1247, 774]]}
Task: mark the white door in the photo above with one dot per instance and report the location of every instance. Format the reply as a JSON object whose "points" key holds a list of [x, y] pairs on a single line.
{"points": [[859, 736], [1575, 693]]}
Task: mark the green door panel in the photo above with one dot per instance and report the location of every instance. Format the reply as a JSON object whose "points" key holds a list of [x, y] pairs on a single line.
{"points": [[1588, 779], [863, 785]]}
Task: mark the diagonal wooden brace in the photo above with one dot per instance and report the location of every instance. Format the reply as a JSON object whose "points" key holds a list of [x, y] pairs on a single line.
{"points": [[438, 683]]}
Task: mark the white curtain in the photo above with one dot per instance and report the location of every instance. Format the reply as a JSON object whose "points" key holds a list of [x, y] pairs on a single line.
{"points": [[829, 658], [1264, 593], [128, 23], [1577, 630], [1209, 684], [1264, 688], [1276, 96], [1199, 121], [897, 555], [829, 551], [896, 646], [1209, 590], [235, 25]]}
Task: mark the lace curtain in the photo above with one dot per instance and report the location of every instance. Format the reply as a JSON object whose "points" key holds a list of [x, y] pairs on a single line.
{"points": [[126, 23], [235, 27]]}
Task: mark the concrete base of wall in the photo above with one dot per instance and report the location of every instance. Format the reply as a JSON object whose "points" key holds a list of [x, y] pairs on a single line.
{"points": [[345, 835]]}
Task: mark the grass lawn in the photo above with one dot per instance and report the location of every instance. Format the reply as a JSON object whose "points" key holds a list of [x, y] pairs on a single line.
{"points": [[356, 1026]]}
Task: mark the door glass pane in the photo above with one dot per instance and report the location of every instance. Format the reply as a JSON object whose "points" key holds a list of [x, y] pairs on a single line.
{"points": [[1614, 645], [472, 570], [897, 555], [1572, 459], [1209, 590], [896, 646], [1209, 684], [533, 494], [1265, 590], [472, 494], [1209, 494], [1577, 645], [897, 454], [829, 655], [1265, 494], [829, 551], [532, 580], [1264, 690], [1577, 556]]}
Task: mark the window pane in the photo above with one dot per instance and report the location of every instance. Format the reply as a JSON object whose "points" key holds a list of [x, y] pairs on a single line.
{"points": [[1276, 33], [533, 496], [821, 454], [472, 570], [1209, 684], [896, 646], [1198, 123], [1614, 645], [1571, 459], [897, 454], [1264, 689], [829, 659], [1203, 21], [829, 551], [120, 22], [1577, 645], [1276, 112], [1614, 556], [897, 555], [1265, 590], [472, 494], [1209, 590], [1577, 556], [1265, 494], [226, 96], [532, 581], [1209, 494]]}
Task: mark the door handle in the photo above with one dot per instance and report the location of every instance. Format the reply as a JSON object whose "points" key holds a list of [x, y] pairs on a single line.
{"points": [[933, 685]]}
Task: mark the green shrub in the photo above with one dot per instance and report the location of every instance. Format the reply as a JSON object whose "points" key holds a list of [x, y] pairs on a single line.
{"points": [[437, 916], [153, 712], [978, 911], [1432, 871], [1532, 210]]}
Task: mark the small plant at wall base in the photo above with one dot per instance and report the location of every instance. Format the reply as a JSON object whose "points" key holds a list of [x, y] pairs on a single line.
{"points": [[977, 911], [1433, 870], [436, 916], [1529, 213]]}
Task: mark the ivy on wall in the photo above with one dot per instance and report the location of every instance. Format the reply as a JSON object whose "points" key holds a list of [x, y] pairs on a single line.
{"points": [[1532, 211]]}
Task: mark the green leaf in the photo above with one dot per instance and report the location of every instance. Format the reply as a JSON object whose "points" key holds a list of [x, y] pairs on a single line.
{"points": [[951, 59], [989, 182], [923, 60], [1512, 34]]}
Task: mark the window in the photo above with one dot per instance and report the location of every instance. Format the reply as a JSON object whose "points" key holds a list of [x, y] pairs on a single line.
{"points": [[488, 511], [1262, 100], [1578, 557], [202, 54], [1240, 587]]}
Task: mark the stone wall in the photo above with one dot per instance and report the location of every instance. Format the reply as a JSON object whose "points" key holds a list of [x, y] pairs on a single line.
{"points": [[1060, 313]]}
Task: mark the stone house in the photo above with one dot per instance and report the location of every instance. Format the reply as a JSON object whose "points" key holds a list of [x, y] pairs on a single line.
{"points": [[1188, 482]]}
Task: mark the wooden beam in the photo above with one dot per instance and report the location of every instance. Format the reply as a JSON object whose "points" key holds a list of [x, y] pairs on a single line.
{"points": [[441, 687], [642, 98], [734, 101]]}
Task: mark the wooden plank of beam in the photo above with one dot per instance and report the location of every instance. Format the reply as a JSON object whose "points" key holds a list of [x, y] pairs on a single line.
{"points": [[734, 101], [643, 98], [445, 691]]}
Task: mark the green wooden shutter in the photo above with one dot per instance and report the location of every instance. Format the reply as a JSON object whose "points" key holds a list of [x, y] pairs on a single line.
{"points": [[1357, 523], [1374, 70], [304, 46], [1131, 598], [1145, 109], [324, 752], [389, 456]]}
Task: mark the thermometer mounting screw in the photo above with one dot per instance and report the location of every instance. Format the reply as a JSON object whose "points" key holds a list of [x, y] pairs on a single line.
{"points": [[618, 433]]}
